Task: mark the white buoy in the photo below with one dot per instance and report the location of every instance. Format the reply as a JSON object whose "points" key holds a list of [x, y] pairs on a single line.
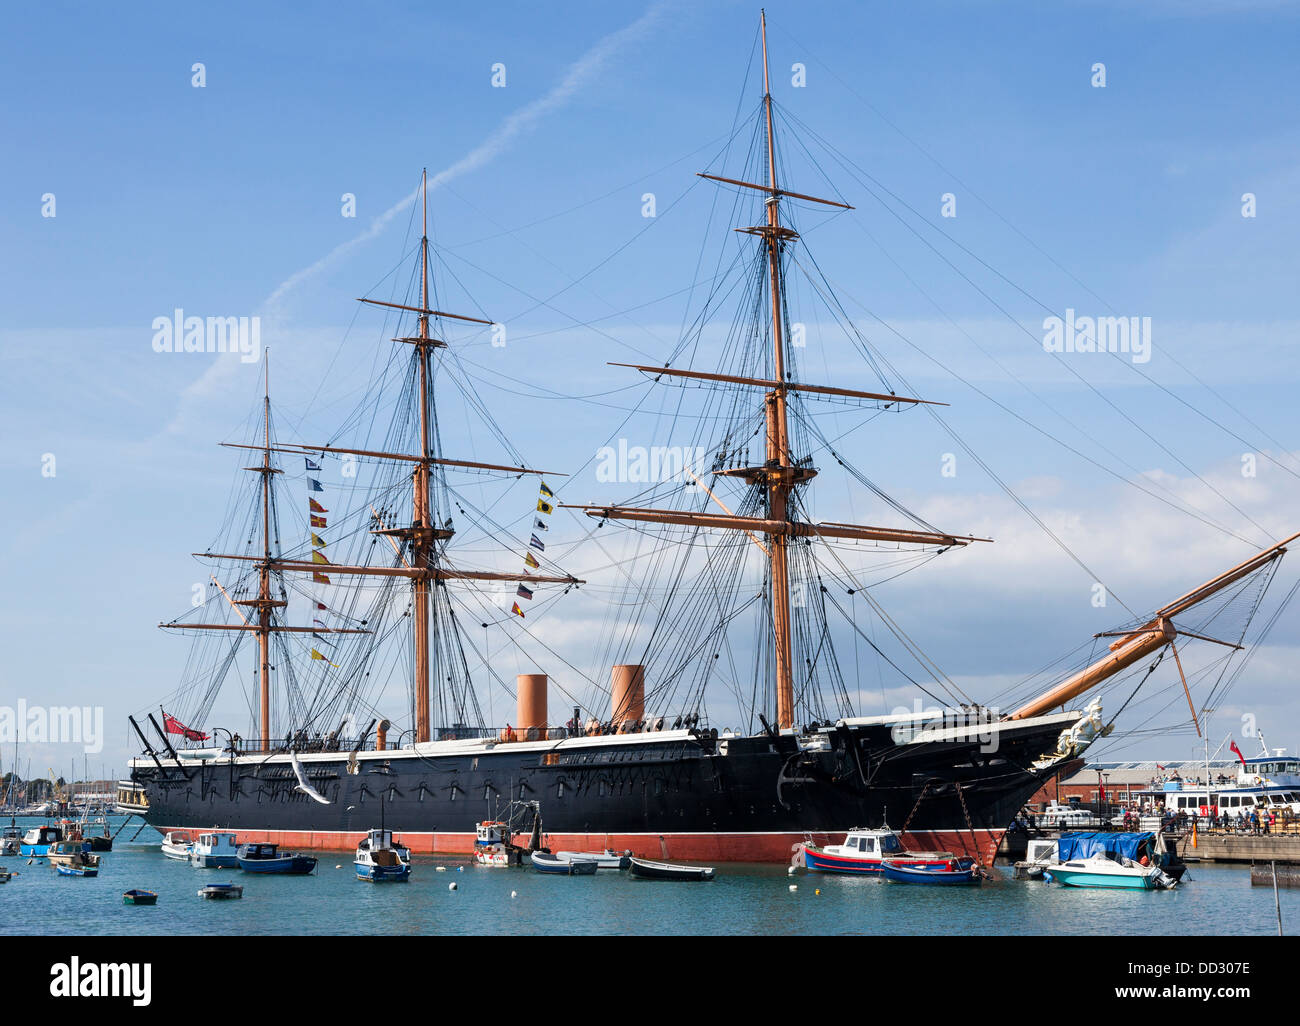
{"points": [[513, 893], [790, 871], [440, 869], [338, 866], [451, 886], [793, 888], [460, 869]]}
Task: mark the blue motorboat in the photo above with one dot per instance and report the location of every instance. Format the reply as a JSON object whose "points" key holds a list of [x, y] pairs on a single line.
{"points": [[381, 859], [36, 842], [955, 871], [75, 869], [267, 858]]}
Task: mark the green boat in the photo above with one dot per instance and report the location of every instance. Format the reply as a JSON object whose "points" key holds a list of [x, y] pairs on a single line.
{"points": [[138, 897]]}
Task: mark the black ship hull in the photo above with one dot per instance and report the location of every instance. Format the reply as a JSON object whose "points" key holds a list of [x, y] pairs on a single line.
{"points": [[682, 794]]}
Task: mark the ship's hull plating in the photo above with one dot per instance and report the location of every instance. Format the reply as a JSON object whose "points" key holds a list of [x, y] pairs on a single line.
{"points": [[671, 796]]}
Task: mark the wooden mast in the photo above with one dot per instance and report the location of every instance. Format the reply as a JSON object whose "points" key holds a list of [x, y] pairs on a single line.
{"points": [[781, 480], [264, 568], [421, 541]]}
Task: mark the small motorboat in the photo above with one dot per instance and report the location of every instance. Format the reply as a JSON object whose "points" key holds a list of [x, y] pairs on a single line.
{"points": [[11, 839], [604, 859], [267, 858], [954, 871], [381, 859], [221, 892], [545, 862], [5, 874], [71, 858], [35, 844], [1133, 852], [215, 850], [1101, 870], [865, 851], [79, 869], [177, 845], [135, 896], [648, 870]]}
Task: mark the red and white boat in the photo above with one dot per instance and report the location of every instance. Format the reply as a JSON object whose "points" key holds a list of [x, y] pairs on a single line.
{"points": [[865, 851]]}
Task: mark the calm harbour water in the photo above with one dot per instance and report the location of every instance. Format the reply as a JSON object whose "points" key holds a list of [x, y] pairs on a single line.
{"points": [[744, 899]]}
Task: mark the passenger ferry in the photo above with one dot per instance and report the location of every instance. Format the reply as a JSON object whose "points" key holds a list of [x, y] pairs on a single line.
{"points": [[1263, 784]]}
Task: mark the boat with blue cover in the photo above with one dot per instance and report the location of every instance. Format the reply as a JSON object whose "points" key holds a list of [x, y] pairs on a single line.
{"points": [[267, 858], [1126, 861]]}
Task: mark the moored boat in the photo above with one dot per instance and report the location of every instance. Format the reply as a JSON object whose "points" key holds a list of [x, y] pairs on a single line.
{"points": [[604, 859], [5, 875], [1124, 860], [79, 868], [215, 850], [545, 862], [177, 845], [491, 847], [381, 858], [267, 858], [221, 891], [954, 871], [649, 870], [36, 842], [865, 851], [137, 896]]}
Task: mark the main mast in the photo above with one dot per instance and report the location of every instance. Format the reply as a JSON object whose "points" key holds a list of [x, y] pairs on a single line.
{"points": [[421, 540], [780, 480]]}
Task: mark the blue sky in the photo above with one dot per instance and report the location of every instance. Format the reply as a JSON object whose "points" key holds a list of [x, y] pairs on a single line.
{"points": [[225, 200]]}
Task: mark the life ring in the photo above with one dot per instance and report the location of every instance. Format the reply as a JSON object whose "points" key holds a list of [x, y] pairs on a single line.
{"points": [[1259, 780]]}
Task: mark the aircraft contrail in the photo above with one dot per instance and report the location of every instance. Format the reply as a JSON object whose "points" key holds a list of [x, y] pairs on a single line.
{"points": [[579, 73]]}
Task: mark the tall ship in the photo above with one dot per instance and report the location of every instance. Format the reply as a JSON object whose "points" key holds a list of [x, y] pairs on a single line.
{"points": [[400, 576]]}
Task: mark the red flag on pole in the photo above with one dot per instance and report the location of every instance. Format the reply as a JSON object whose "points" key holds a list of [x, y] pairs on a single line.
{"points": [[1232, 745], [175, 726]]}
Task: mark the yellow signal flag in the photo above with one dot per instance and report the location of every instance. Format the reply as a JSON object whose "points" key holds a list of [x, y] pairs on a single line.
{"points": [[517, 611], [319, 578], [530, 560], [546, 491], [544, 507], [317, 540], [319, 557], [317, 655]]}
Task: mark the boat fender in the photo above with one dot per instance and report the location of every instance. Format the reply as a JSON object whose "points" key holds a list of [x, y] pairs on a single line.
{"points": [[793, 888]]}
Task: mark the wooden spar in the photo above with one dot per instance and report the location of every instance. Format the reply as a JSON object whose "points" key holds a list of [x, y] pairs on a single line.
{"points": [[299, 449], [768, 188], [1186, 690], [1160, 631], [414, 573], [423, 310], [1137, 647], [709, 492], [793, 386], [1227, 577], [774, 527], [275, 629], [228, 598]]}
